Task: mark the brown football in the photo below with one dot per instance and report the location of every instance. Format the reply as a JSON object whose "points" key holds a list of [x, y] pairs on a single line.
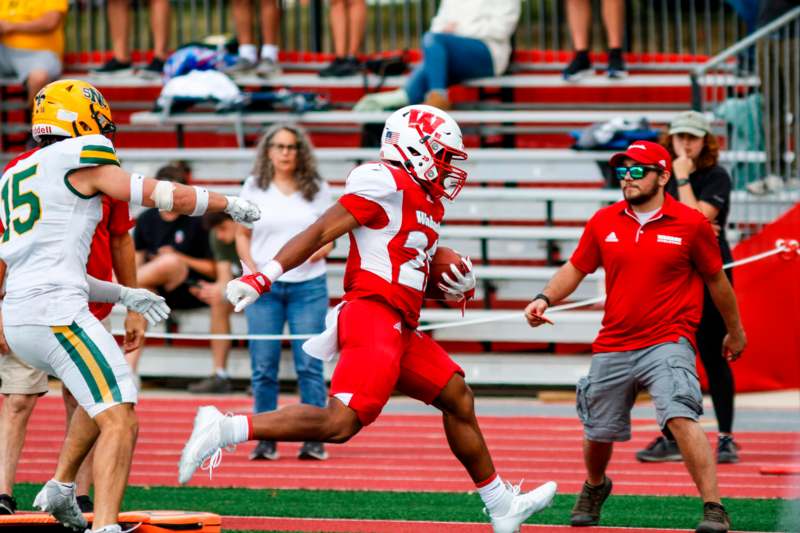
{"points": [[440, 264]]}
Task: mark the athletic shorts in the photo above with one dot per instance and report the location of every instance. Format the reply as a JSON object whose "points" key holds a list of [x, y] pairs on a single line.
{"points": [[83, 355], [378, 354], [606, 396], [17, 377], [18, 63]]}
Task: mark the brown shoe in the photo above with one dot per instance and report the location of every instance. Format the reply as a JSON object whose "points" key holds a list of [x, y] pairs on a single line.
{"points": [[439, 100], [715, 519], [586, 511]]}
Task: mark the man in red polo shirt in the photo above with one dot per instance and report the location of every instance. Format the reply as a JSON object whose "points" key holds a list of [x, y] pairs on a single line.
{"points": [[656, 253]]}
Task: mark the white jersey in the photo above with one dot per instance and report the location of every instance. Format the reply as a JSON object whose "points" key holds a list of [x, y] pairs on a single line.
{"points": [[47, 231]]}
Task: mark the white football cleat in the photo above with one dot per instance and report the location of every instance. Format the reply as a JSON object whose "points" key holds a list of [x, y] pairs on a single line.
{"points": [[205, 443], [59, 501], [523, 506]]}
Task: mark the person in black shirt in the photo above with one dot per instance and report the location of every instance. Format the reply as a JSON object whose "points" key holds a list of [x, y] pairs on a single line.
{"points": [[172, 253], [698, 181]]}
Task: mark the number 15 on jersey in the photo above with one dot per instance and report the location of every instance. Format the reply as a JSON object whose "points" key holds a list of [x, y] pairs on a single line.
{"points": [[21, 208]]}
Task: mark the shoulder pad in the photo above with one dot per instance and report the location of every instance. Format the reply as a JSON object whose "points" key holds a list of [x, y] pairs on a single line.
{"points": [[86, 151], [371, 180]]}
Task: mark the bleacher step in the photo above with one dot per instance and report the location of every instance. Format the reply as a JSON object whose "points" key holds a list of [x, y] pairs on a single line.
{"points": [[480, 369]]}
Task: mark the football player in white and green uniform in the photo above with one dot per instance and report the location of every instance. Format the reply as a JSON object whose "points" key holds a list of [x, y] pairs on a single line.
{"points": [[50, 205]]}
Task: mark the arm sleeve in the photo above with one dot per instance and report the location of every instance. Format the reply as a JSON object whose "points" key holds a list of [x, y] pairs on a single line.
{"points": [[717, 191], [103, 291], [366, 191], [586, 256], [705, 254], [120, 220]]}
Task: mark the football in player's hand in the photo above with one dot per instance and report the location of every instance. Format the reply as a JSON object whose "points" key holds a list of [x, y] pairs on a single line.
{"points": [[440, 264]]}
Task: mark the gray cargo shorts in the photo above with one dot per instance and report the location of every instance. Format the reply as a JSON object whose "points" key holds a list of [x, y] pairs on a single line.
{"points": [[18, 64], [606, 396]]}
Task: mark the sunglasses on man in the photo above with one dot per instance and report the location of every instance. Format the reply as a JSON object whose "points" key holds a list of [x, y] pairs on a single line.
{"points": [[636, 172]]}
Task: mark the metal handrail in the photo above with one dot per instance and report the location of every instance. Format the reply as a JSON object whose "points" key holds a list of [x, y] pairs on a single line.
{"points": [[761, 109], [746, 43]]}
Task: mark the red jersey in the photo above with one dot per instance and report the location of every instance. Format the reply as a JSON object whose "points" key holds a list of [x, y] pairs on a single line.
{"points": [[390, 252], [654, 289], [116, 220]]}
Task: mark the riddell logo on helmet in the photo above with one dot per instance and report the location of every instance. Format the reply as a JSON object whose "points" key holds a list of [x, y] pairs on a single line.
{"points": [[42, 129], [427, 122]]}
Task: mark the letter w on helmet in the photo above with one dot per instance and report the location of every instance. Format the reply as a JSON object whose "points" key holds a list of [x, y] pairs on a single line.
{"points": [[426, 140]]}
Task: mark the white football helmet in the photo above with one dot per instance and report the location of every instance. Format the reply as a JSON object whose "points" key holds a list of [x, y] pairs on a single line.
{"points": [[425, 140]]}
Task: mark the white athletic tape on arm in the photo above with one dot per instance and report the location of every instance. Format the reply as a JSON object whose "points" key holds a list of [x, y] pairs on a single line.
{"points": [[201, 201], [162, 195], [137, 189], [273, 270]]}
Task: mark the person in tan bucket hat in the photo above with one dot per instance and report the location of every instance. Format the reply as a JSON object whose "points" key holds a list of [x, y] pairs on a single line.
{"points": [[700, 182]]}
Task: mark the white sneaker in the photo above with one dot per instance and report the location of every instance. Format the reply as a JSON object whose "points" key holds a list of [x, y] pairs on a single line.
{"points": [[382, 100], [59, 501], [204, 443], [115, 528], [523, 506]]}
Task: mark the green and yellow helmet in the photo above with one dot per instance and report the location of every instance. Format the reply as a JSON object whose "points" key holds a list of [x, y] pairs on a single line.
{"points": [[70, 108]]}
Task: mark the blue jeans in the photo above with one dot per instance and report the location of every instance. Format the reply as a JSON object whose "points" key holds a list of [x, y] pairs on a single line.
{"points": [[448, 59], [304, 306]]}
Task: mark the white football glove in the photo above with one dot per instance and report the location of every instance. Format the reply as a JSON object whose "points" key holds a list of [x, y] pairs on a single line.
{"points": [[459, 286], [245, 290], [148, 304], [242, 211]]}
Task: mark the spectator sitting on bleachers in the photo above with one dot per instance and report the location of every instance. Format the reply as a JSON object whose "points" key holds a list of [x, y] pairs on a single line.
{"points": [[119, 27], [172, 253], [579, 16], [32, 41], [248, 61], [348, 24], [468, 39], [222, 240], [287, 187]]}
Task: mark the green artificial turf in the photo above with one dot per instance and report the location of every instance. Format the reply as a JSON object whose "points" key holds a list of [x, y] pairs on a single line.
{"points": [[632, 511]]}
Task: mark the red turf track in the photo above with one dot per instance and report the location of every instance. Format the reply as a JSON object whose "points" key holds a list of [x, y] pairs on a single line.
{"points": [[409, 453]]}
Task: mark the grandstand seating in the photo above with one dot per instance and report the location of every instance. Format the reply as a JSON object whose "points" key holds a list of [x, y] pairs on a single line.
{"points": [[522, 217]]}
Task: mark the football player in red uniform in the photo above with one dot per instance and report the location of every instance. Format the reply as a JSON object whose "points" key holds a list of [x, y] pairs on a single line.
{"points": [[392, 210]]}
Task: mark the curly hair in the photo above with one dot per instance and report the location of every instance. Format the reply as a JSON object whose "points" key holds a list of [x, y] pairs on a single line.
{"points": [[306, 174], [709, 155]]}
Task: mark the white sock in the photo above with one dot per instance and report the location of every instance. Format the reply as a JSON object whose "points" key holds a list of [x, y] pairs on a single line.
{"points": [[221, 373], [269, 51], [234, 429], [68, 486], [249, 52], [496, 497]]}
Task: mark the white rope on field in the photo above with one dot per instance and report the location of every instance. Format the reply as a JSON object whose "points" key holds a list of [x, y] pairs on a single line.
{"points": [[780, 247]]}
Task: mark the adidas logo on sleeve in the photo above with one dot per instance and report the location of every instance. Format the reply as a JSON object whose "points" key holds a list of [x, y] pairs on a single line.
{"points": [[612, 237]]}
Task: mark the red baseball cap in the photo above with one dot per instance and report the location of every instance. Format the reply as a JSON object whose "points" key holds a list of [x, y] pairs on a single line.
{"points": [[646, 152]]}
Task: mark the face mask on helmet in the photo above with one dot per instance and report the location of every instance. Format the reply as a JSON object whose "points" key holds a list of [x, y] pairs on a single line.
{"points": [[447, 179]]}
